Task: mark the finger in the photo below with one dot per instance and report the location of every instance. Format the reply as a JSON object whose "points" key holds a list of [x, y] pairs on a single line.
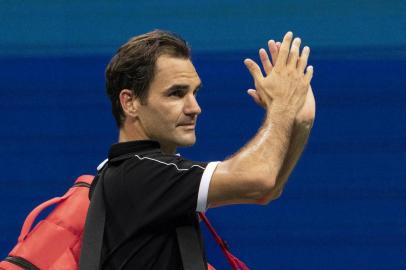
{"points": [[273, 48], [302, 63], [284, 51], [266, 63], [254, 69], [294, 53], [278, 44], [257, 99], [309, 74]]}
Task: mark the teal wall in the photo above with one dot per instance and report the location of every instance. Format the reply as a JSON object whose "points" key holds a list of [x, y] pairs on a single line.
{"points": [[92, 27]]}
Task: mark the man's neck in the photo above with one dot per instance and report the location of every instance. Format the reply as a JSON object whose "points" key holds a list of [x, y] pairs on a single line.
{"points": [[125, 136], [130, 132], [168, 150]]}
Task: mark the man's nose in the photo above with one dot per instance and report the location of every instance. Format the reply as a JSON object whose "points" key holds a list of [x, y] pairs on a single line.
{"points": [[192, 106]]}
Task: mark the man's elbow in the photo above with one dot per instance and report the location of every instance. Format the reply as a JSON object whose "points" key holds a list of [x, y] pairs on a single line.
{"points": [[264, 186], [272, 196]]}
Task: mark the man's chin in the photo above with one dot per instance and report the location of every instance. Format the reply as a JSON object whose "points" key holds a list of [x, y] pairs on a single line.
{"points": [[187, 144], [187, 141]]}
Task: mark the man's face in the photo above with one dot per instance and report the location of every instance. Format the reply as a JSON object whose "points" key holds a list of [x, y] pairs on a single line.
{"points": [[170, 113]]}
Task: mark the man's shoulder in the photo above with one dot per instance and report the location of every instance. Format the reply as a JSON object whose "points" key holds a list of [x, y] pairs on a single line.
{"points": [[159, 159]]}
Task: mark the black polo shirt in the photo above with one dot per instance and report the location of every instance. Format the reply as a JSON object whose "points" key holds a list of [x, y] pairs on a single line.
{"points": [[147, 195]]}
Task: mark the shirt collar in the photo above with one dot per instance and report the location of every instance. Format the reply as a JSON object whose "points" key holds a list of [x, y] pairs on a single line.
{"points": [[120, 149]]}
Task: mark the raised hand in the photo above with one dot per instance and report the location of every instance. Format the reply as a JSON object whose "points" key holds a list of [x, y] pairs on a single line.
{"points": [[285, 84], [307, 113], [267, 66]]}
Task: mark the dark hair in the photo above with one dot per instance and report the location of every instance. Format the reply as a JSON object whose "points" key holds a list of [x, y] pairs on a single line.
{"points": [[133, 66]]}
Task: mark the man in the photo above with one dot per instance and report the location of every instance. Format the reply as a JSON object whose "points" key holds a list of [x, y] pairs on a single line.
{"points": [[151, 191]]}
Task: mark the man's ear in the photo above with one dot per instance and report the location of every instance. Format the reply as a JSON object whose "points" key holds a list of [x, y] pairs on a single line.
{"points": [[129, 102]]}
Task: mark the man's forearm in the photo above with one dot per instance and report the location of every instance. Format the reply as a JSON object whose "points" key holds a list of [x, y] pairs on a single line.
{"points": [[271, 144], [299, 138], [250, 174]]}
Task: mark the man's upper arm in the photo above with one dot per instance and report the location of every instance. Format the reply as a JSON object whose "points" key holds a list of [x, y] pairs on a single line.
{"points": [[228, 186]]}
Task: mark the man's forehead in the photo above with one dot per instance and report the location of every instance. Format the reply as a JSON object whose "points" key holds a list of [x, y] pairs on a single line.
{"points": [[171, 69]]}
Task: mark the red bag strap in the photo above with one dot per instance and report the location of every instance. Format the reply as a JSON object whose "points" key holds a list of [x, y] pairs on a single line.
{"points": [[37, 210], [235, 263]]}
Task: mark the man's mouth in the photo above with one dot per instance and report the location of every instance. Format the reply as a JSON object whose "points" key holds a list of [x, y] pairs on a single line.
{"points": [[187, 125]]}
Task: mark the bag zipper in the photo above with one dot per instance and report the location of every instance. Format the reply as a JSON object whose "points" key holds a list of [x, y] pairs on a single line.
{"points": [[81, 184], [26, 265]]}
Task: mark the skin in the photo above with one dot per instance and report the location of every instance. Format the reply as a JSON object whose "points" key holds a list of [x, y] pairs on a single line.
{"points": [[307, 113], [258, 172], [171, 102], [301, 129]]}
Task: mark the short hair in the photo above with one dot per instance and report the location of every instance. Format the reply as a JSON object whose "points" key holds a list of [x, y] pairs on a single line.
{"points": [[134, 64]]}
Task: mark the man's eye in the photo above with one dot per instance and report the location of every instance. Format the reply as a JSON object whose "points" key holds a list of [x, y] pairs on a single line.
{"points": [[177, 93]]}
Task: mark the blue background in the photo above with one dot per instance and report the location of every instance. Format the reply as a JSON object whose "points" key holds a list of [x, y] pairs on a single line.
{"points": [[345, 204]]}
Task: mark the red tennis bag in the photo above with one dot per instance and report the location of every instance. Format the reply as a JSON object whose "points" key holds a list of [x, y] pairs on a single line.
{"points": [[55, 242]]}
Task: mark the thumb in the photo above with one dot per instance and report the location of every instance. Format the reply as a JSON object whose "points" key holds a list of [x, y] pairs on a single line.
{"points": [[253, 93]]}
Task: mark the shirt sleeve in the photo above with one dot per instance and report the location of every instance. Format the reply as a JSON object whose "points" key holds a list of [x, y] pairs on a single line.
{"points": [[204, 186], [165, 187]]}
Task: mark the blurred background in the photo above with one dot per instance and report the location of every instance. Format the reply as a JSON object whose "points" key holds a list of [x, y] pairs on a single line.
{"points": [[345, 204]]}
